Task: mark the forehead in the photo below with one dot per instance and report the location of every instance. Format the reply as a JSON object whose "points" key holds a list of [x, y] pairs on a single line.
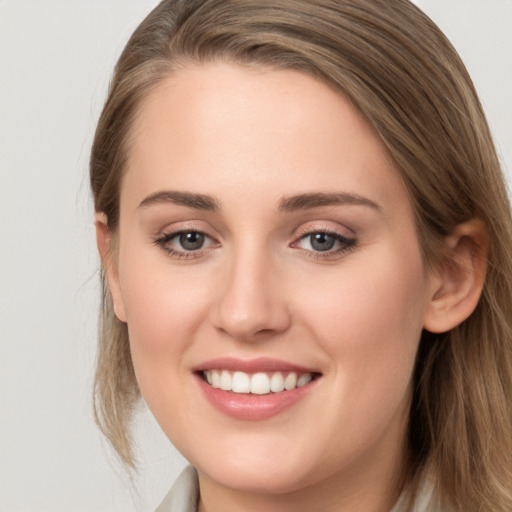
{"points": [[215, 125]]}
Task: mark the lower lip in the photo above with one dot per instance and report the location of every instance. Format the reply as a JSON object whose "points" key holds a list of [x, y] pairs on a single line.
{"points": [[253, 407]]}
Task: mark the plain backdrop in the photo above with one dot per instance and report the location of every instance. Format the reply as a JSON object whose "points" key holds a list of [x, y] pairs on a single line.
{"points": [[55, 61]]}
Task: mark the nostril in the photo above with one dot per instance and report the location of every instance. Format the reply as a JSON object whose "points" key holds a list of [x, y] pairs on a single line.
{"points": [[248, 305]]}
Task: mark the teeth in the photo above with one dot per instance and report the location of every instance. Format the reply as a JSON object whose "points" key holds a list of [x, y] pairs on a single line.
{"points": [[225, 380], [291, 381], [277, 382], [304, 379], [216, 379], [257, 383], [241, 383], [260, 384]]}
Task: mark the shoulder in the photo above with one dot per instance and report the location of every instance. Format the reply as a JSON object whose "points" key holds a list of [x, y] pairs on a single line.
{"points": [[183, 496]]}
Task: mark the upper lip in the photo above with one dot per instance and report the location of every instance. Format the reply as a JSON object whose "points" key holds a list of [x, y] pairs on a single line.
{"points": [[262, 364]]}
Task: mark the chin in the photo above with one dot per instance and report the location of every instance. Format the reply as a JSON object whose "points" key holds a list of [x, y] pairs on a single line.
{"points": [[271, 479], [264, 469]]}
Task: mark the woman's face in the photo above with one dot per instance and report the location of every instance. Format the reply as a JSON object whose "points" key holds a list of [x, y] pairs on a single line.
{"points": [[265, 238]]}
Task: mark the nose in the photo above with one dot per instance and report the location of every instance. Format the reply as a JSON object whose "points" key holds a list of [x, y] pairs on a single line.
{"points": [[251, 303]]}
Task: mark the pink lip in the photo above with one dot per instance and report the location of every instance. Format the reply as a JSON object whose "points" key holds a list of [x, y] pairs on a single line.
{"points": [[262, 364], [244, 406]]}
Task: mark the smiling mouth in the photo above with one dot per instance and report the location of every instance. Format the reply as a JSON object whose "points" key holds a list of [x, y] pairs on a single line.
{"points": [[260, 383]]}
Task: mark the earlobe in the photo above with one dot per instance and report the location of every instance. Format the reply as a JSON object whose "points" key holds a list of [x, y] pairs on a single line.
{"points": [[109, 263], [459, 279]]}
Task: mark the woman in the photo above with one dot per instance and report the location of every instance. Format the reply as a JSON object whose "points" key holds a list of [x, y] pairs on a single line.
{"points": [[305, 240]]}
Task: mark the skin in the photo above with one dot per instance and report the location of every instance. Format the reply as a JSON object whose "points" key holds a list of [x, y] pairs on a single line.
{"points": [[248, 138]]}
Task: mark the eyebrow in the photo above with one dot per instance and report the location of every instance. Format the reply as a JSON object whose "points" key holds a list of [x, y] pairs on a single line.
{"points": [[189, 199], [315, 200], [286, 204]]}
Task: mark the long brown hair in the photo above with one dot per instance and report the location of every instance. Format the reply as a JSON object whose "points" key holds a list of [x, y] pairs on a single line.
{"points": [[404, 76]]}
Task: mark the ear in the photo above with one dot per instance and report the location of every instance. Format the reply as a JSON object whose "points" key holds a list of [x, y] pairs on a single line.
{"points": [[458, 280], [109, 263]]}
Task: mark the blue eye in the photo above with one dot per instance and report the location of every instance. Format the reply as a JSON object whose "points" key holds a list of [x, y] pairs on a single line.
{"points": [[322, 241], [191, 240], [328, 243], [185, 244]]}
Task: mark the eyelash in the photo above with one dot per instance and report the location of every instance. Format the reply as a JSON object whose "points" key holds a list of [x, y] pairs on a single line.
{"points": [[164, 240], [346, 244]]}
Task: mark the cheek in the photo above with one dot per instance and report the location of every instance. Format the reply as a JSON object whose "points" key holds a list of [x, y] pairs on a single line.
{"points": [[163, 309], [371, 322], [370, 327]]}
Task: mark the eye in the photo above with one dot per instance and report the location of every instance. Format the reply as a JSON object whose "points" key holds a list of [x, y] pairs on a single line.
{"points": [[324, 243], [191, 241], [185, 244], [320, 241]]}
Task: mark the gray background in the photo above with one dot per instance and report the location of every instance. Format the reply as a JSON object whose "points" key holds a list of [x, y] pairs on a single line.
{"points": [[55, 62]]}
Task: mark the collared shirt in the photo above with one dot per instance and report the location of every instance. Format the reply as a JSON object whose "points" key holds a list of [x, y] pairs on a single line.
{"points": [[184, 496]]}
